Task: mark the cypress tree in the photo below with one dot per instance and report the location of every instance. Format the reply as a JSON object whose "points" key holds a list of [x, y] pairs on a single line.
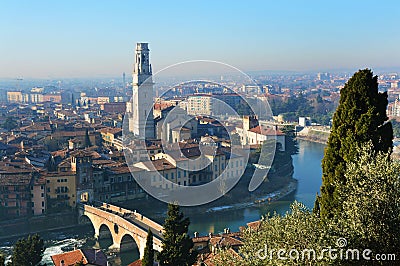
{"points": [[87, 139], [148, 257], [177, 246], [359, 118], [316, 209]]}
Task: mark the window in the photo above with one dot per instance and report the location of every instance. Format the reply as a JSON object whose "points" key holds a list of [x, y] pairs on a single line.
{"points": [[42, 203], [179, 174]]}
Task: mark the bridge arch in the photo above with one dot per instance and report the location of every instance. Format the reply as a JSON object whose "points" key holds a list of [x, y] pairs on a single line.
{"points": [[126, 229], [128, 244]]}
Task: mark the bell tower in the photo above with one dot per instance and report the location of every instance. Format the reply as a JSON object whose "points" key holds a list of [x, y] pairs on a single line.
{"points": [[142, 122]]}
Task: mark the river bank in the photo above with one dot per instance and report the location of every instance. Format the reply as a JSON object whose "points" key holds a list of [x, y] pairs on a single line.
{"points": [[318, 134], [275, 187], [271, 197], [315, 139], [37, 224]]}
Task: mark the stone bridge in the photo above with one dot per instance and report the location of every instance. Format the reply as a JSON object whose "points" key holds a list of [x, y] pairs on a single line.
{"points": [[122, 224]]}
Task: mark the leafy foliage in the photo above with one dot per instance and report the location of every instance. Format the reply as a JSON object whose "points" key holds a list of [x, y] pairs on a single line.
{"points": [[2, 260], [148, 257], [315, 107], [371, 209], [359, 118], [370, 219], [291, 145], [28, 252], [298, 229], [176, 245]]}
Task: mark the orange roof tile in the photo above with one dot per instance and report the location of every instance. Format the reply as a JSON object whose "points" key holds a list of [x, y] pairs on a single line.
{"points": [[69, 258]]}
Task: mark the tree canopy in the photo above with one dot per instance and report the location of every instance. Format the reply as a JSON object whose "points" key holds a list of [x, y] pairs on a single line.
{"points": [[359, 118], [28, 251], [9, 123]]}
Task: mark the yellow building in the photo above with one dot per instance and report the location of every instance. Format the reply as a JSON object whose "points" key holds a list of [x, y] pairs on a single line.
{"points": [[14, 97], [61, 189], [109, 135]]}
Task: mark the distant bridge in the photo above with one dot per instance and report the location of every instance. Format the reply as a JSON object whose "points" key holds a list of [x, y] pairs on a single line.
{"points": [[122, 223]]}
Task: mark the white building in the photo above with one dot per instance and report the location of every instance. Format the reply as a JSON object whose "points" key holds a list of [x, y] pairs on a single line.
{"points": [[140, 112], [253, 134]]}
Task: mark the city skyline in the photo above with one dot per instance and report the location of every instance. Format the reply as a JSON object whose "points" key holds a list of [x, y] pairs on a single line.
{"points": [[47, 39]]}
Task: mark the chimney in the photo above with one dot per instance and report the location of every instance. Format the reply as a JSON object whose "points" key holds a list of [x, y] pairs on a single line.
{"points": [[210, 235], [196, 234]]}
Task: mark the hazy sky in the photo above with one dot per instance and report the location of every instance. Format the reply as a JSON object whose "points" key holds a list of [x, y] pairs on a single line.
{"points": [[55, 38]]}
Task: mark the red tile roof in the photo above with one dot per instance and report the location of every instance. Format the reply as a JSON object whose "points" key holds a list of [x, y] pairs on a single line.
{"points": [[136, 263], [87, 256], [68, 258], [266, 131], [254, 225]]}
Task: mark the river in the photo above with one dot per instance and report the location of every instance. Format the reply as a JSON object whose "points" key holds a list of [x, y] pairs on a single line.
{"points": [[307, 169]]}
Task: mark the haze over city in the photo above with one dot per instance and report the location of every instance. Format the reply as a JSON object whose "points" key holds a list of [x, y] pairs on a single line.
{"points": [[59, 39]]}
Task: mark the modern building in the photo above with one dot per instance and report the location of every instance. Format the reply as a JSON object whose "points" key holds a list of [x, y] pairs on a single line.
{"points": [[213, 104], [201, 104], [14, 97]]}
